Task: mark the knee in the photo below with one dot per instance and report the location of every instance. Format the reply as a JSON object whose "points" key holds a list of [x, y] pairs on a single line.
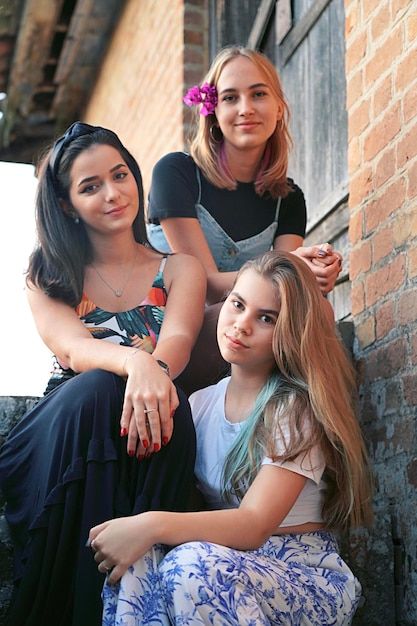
{"points": [[94, 383], [174, 570]]}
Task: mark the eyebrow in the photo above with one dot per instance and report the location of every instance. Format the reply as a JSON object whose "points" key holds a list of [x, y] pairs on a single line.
{"points": [[235, 294], [255, 86], [90, 178]]}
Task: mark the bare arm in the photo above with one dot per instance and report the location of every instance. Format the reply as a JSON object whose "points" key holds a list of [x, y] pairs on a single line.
{"points": [[147, 385], [184, 234], [121, 542], [186, 286]]}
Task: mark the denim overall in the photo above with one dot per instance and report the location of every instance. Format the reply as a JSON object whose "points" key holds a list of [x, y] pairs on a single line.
{"points": [[228, 255]]}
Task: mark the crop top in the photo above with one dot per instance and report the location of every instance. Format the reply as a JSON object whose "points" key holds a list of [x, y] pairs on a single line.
{"points": [[215, 437], [241, 213]]}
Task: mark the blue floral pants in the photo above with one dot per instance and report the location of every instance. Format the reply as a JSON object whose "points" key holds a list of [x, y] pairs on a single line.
{"points": [[294, 580]]}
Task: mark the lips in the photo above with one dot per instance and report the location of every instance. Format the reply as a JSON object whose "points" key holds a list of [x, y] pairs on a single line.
{"points": [[248, 125], [117, 210], [234, 343]]}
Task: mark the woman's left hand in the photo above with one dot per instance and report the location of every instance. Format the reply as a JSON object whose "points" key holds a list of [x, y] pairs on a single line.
{"points": [[324, 262], [149, 405], [118, 543]]}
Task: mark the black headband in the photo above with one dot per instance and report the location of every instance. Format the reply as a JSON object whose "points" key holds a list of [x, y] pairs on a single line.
{"points": [[77, 129]]}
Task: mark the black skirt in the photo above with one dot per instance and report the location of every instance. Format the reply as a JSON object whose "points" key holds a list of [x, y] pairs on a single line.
{"points": [[63, 469]]}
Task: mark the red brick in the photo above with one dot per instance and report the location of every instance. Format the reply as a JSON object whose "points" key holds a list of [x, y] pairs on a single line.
{"points": [[386, 359], [382, 132], [405, 227], [384, 280], [356, 227], [386, 167], [351, 19], [410, 103], [411, 27], [382, 244], [380, 19], [412, 181], [357, 298], [360, 259], [368, 7], [387, 202], [356, 52], [385, 321], [382, 96], [406, 70], [359, 118], [354, 88], [361, 186], [365, 332], [354, 155], [384, 56], [407, 146], [407, 308]]}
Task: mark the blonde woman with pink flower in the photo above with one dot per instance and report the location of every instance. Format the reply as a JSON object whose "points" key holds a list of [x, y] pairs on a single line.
{"points": [[230, 198]]}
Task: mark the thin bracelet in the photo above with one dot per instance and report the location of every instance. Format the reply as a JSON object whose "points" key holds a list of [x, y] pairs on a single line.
{"points": [[128, 357]]}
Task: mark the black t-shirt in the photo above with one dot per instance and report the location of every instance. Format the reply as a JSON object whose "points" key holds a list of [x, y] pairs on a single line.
{"points": [[241, 213]]}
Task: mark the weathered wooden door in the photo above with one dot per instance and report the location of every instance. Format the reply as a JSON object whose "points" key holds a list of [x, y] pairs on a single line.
{"points": [[305, 39]]}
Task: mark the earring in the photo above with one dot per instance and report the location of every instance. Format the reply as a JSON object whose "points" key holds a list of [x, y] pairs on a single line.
{"points": [[219, 137], [76, 220]]}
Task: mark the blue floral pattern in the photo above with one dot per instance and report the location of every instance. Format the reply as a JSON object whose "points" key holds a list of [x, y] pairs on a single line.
{"points": [[294, 580]]}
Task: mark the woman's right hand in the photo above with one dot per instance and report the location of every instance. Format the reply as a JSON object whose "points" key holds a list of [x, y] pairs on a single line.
{"points": [[325, 263], [149, 405]]}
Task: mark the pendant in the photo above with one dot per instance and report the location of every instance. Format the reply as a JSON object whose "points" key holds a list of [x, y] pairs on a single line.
{"points": [[118, 293]]}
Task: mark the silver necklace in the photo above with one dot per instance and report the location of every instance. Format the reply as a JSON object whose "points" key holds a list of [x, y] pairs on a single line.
{"points": [[117, 292]]}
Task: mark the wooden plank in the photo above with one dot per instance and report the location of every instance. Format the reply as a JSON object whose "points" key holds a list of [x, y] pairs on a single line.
{"points": [[260, 24], [283, 20], [332, 201], [301, 30], [331, 225]]}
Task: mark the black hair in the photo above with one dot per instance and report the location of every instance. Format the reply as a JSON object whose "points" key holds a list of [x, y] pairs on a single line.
{"points": [[57, 264]]}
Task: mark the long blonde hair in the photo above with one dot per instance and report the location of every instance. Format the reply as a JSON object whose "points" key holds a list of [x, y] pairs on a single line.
{"points": [[314, 382], [208, 153]]}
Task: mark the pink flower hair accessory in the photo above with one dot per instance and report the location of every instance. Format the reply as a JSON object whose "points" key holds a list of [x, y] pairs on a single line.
{"points": [[205, 95]]}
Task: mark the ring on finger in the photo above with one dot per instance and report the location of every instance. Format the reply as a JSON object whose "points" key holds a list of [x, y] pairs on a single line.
{"points": [[150, 411]]}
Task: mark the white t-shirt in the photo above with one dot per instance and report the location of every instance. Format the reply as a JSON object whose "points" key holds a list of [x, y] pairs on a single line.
{"points": [[215, 437]]}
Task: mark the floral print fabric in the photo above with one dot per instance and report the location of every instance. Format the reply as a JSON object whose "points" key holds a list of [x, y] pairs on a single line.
{"points": [[138, 328], [294, 580]]}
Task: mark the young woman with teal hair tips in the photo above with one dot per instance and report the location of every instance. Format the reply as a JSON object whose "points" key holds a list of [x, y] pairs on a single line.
{"points": [[281, 464]]}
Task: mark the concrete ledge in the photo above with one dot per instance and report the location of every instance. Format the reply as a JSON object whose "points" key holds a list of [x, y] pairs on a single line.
{"points": [[11, 411]]}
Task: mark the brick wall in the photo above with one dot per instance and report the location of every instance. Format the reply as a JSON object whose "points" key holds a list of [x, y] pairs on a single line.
{"points": [[381, 62], [157, 51]]}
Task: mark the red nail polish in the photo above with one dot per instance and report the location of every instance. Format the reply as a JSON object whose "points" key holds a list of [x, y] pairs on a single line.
{"points": [[123, 432], [164, 441], [172, 413], [131, 452], [148, 456], [145, 443], [156, 447], [141, 457]]}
